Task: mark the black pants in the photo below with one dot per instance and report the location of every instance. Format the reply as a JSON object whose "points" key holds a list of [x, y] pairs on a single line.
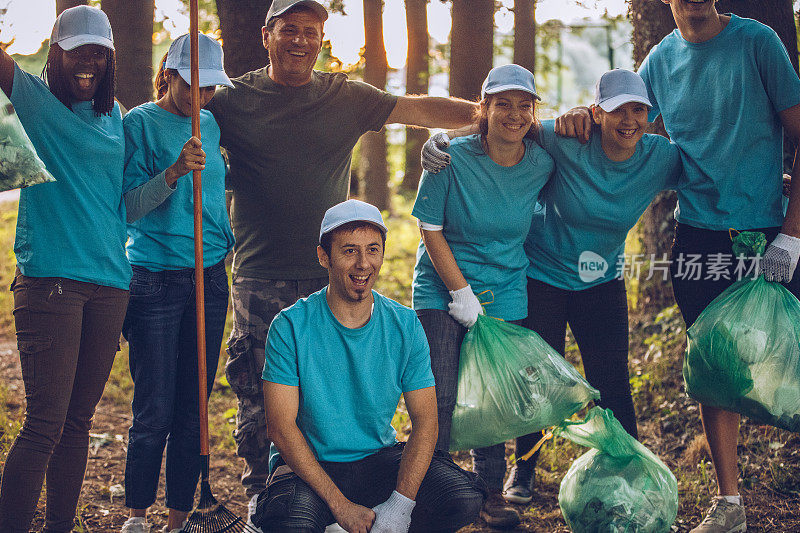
{"points": [[448, 499], [702, 247], [598, 317]]}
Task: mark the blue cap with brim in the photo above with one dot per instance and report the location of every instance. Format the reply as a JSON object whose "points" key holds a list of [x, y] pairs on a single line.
{"points": [[351, 211], [279, 7], [82, 25], [509, 78], [618, 87], [211, 67]]}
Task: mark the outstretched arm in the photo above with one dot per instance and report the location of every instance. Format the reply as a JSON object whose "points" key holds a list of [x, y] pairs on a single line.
{"points": [[432, 112], [282, 403]]}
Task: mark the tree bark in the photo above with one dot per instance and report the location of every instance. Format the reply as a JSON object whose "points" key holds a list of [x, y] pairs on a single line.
{"points": [[471, 46], [417, 64], [61, 5], [240, 23], [132, 24], [373, 144], [525, 34]]}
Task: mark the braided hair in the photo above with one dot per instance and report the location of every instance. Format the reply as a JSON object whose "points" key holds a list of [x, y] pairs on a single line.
{"points": [[161, 83], [103, 101]]}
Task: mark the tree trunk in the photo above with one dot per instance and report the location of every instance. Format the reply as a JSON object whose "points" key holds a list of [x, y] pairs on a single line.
{"points": [[240, 23], [373, 144], [132, 24], [471, 46], [416, 83], [61, 5], [525, 34]]}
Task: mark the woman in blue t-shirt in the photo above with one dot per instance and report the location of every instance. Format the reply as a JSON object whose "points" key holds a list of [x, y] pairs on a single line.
{"points": [[71, 285], [474, 219], [161, 322], [577, 241]]}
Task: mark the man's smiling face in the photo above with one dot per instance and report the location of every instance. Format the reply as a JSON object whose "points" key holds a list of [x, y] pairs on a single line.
{"points": [[293, 42]]}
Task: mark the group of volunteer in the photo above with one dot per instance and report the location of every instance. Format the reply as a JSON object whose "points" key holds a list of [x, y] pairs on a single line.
{"points": [[508, 207]]}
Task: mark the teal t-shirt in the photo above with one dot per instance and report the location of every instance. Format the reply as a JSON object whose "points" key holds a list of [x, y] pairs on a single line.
{"points": [[350, 380], [486, 211], [590, 205], [163, 239], [74, 227], [720, 101]]}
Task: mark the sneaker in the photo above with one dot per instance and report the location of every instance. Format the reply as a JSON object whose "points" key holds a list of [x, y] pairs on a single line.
{"points": [[335, 528], [497, 513], [176, 530], [723, 517], [136, 524], [519, 486], [251, 510]]}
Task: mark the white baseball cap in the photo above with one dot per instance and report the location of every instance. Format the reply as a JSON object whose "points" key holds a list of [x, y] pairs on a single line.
{"points": [[212, 71], [619, 86], [351, 211], [82, 25], [509, 78]]}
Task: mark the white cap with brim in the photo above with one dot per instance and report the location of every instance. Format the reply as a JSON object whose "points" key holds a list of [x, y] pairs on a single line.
{"points": [[618, 87], [82, 25], [351, 211], [211, 66], [279, 7], [509, 78]]}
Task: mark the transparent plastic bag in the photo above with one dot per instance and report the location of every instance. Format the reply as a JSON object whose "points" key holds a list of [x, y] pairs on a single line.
{"points": [[617, 486], [511, 383], [19, 164], [743, 351]]}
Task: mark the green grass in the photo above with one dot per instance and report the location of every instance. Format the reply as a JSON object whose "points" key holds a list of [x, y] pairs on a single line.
{"points": [[8, 223]]}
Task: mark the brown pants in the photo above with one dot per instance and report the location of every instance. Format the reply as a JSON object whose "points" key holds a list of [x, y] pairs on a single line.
{"points": [[67, 334]]}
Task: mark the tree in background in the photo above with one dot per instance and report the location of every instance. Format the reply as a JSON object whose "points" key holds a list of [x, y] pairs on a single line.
{"points": [[471, 46], [132, 24], [61, 5], [240, 23], [373, 144], [525, 34], [417, 72]]}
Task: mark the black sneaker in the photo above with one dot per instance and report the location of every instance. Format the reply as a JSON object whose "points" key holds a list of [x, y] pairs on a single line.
{"points": [[498, 514], [519, 486]]}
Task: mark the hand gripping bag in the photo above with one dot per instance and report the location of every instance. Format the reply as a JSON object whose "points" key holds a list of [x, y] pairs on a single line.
{"points": [[617, 486], [743, 351], [511, 383], [19, 164]]}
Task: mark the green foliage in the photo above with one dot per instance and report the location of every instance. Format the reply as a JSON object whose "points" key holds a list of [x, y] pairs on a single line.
{"points": [[8, 223], [402, 240], [33, 63]]}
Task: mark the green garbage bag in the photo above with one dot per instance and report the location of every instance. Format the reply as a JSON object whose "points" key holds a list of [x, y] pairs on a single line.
{"points": [[617, 486], [743, 351], [19, 164], [511, 383]]}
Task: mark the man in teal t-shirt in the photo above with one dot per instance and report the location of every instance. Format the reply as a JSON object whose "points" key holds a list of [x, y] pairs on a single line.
{"points": [[336, 365]]}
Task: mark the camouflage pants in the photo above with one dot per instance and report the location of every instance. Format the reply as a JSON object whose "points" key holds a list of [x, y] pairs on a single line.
{"points": [[255, 304]]}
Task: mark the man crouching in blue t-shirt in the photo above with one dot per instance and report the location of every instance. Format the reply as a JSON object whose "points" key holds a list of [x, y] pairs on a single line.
{"points": [[336, 365]]}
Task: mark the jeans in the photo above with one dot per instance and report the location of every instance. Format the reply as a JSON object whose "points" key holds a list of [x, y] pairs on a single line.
{"points": [[448, 498], [67, 334], [694, 295], [162, 331], [598, 318], [255, 303], [445, 336]]}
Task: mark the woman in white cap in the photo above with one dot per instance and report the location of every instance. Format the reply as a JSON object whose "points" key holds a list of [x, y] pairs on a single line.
{"points": [[161, 323], [71, 286], [575, 245], [474, 219]]}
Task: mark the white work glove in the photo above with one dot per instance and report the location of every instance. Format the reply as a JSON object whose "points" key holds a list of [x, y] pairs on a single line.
{"points": [[465, 307], [780, 259], [393, 515], [434, 157]]}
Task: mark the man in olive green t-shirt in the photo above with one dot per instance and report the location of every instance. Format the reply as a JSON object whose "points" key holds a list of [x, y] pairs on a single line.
{"points": [[289, 131]]}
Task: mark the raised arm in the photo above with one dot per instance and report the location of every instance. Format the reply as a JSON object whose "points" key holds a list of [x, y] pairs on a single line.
{"points": [[432, 112], [6, 73], [282, 403]]}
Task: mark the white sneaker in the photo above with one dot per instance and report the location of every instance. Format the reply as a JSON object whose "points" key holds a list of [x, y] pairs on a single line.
{"points": [[176, 530], [136, 524], [335, 528], [251, 510]]}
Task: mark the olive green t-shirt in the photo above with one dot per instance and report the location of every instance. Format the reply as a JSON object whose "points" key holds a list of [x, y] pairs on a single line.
{"points": [[289, 150]]}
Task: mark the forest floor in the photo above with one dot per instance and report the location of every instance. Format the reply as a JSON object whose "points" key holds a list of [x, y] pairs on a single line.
{"points": [[669, 425]]}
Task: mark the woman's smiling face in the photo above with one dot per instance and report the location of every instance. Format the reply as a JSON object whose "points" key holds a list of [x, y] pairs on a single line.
{"points": [[84, 68]]}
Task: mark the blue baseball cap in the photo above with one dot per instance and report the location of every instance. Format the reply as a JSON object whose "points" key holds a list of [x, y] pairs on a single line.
{"points": [[279, 7], [509, 78], [82, 25], [619, 86], [351, 211], [209, 52]]}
